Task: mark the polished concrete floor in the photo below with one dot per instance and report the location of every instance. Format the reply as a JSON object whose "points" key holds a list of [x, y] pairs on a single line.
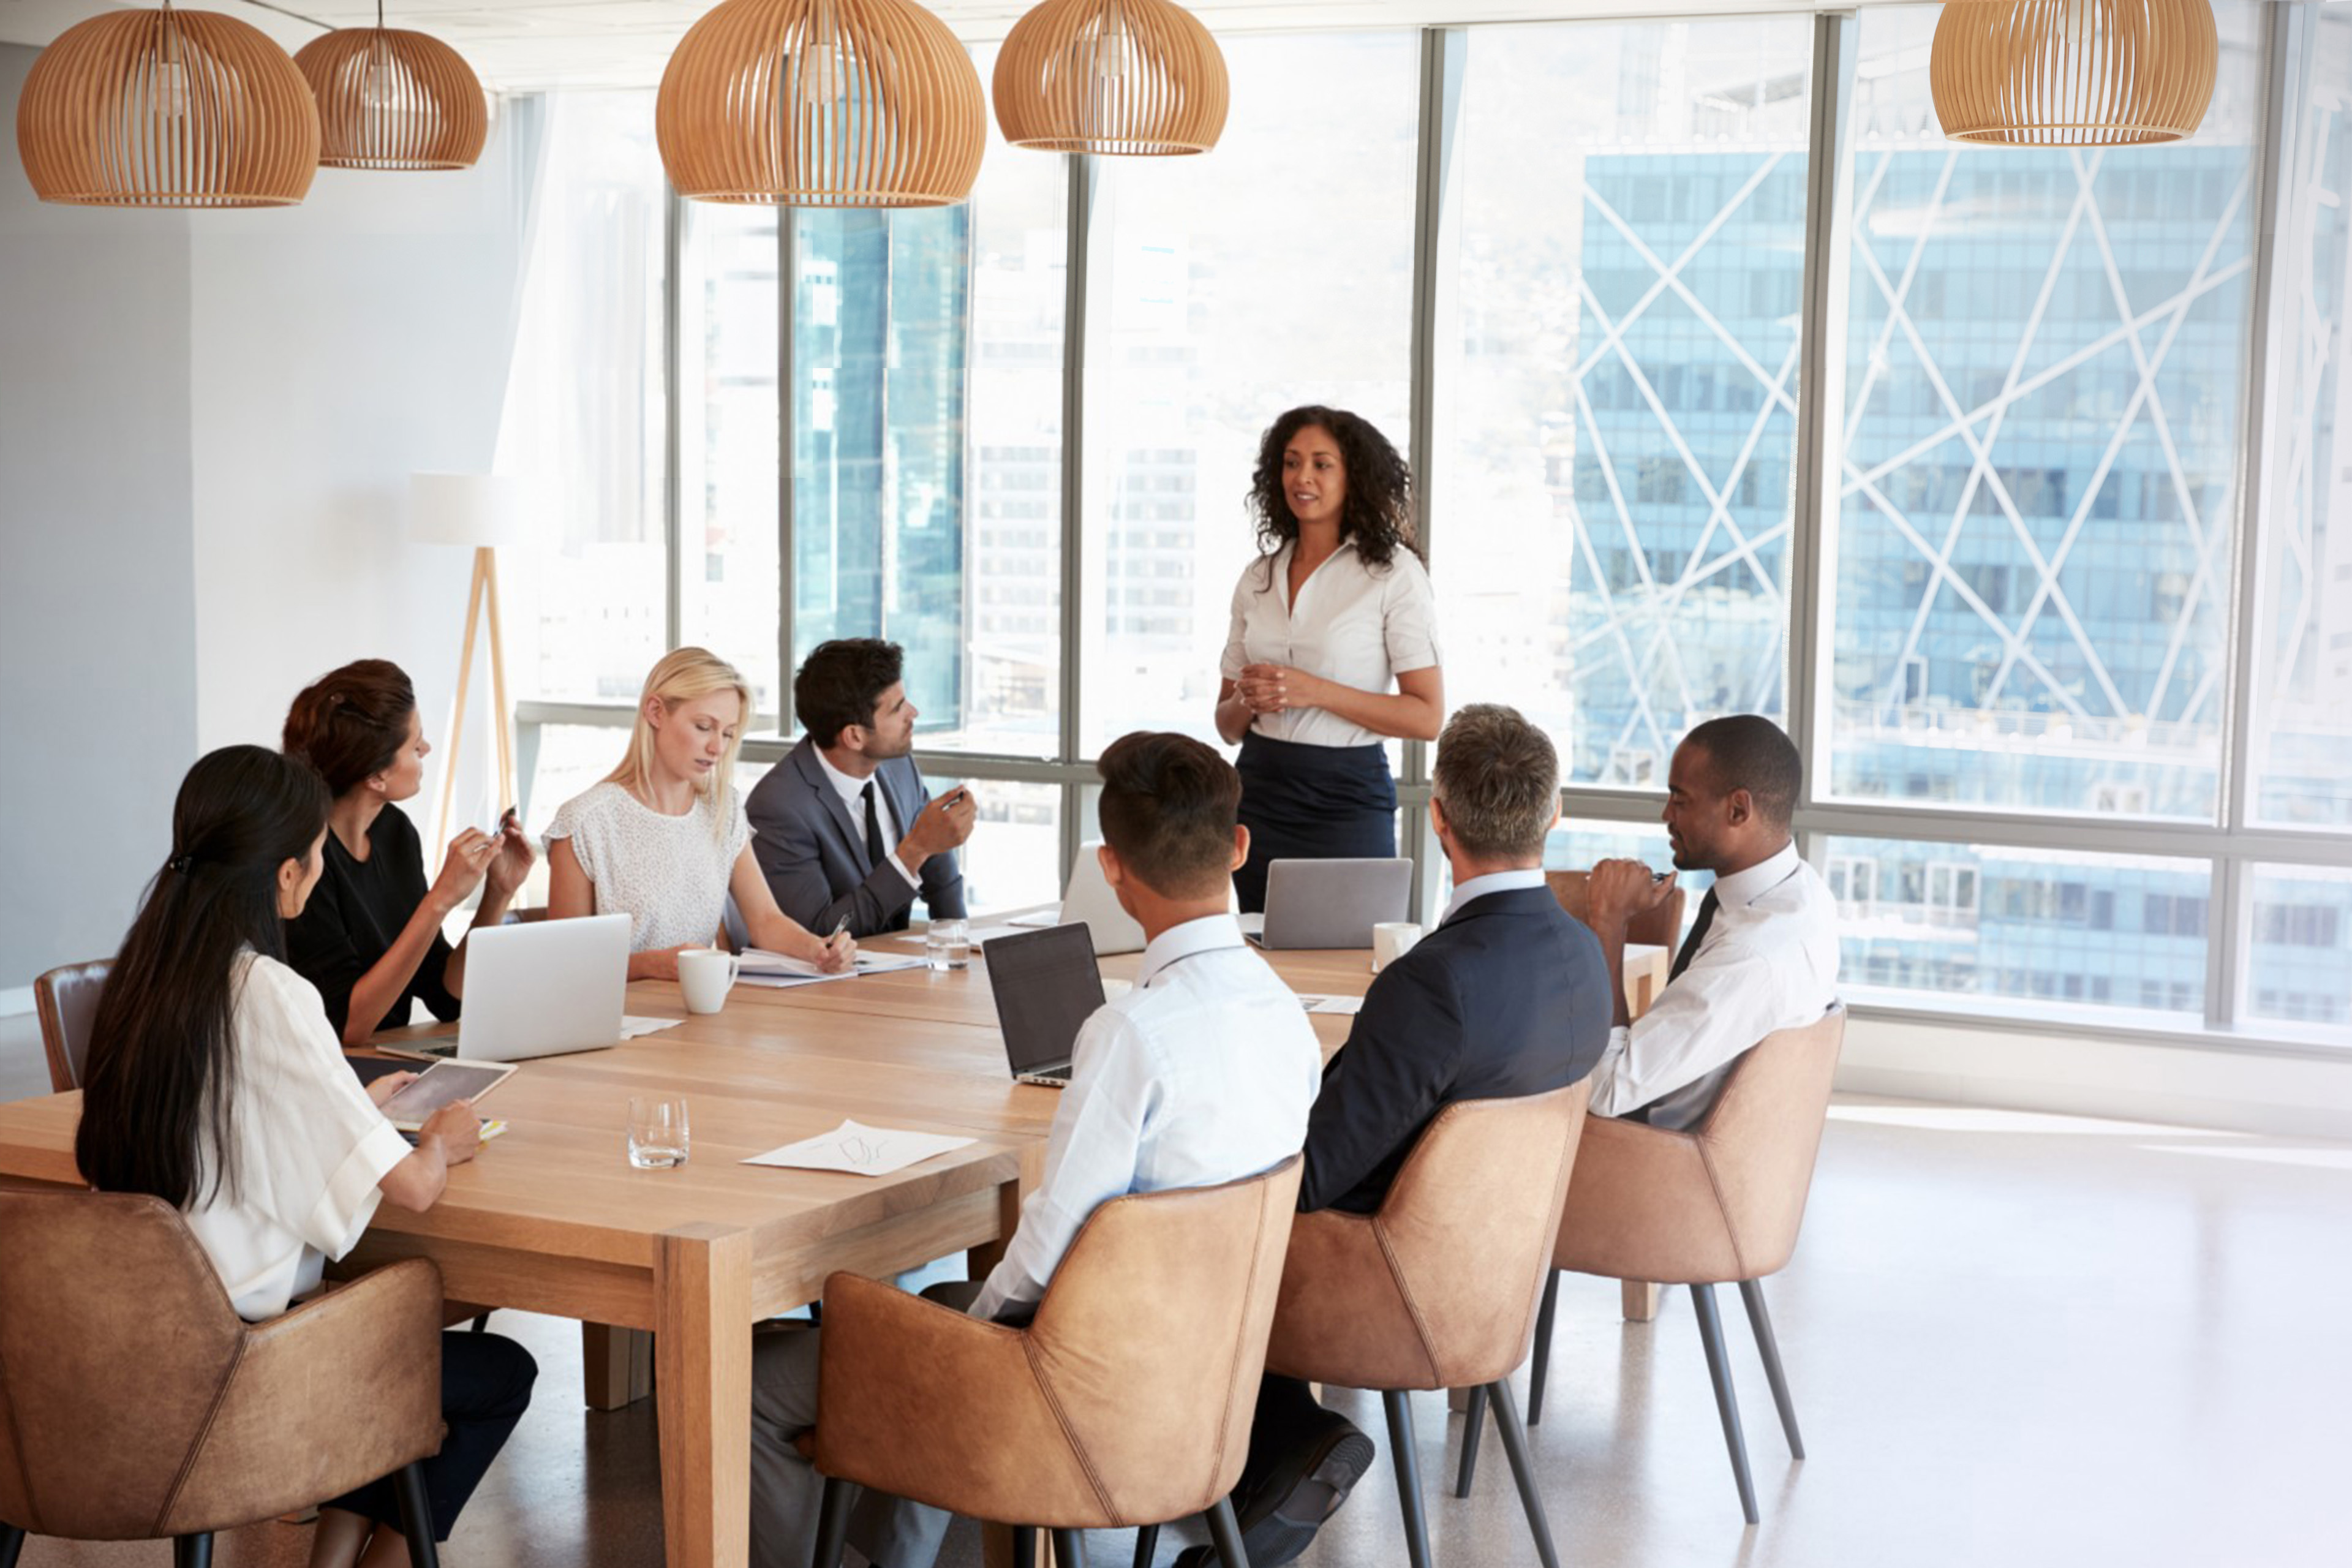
{"points": [[2014, 1339]]}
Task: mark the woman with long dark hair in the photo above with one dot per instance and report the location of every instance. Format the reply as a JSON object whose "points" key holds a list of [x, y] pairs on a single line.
{"points": [[215, 1083], [1335, 611], [370, 939]]}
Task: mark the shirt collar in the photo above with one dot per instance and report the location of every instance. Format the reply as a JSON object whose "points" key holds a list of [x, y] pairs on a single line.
{"points": [[1742, 888], [850, 786], [1492, 882], [1206, 934]]}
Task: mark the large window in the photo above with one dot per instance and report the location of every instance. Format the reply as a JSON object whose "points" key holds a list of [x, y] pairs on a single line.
{"points": [[1618, 378], [1275, 271], [2073, 662], [2045, 363]]}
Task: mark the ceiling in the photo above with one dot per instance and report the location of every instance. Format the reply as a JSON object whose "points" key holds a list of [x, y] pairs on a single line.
{"points": [[521, 45]]}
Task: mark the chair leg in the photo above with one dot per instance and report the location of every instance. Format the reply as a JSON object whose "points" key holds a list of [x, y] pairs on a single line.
{"points": [[833, 1525], [12, 1541], [1408, 1474], [1146, 1543], [193, 1551], [1727, 1403], [416, 1517], [1226, 1531], [1542, 1368], [1025, 1547], [1474, 1427], [1069, 1549], [1751, 1291], [1522, 1471], [481, 1325]]}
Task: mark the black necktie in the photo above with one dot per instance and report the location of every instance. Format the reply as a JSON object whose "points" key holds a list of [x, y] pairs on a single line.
{"points": [[874, 852], [1706, 908]]}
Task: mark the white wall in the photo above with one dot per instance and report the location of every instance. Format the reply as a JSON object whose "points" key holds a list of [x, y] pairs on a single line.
{"points": [[96, 622], [207, 423]]}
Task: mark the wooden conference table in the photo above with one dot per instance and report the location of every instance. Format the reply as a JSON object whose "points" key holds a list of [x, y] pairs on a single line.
{"points": [[551, 1217]]}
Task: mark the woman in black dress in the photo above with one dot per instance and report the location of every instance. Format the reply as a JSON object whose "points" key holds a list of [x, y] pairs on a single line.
{"points": [[370, 938]]}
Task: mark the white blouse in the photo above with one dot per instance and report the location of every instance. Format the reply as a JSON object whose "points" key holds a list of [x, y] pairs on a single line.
{"points": [[308, 1147], [670, 873], [1359, 625]]}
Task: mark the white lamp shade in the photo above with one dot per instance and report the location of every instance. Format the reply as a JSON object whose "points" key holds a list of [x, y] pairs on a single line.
{"points": [[474, 509]]}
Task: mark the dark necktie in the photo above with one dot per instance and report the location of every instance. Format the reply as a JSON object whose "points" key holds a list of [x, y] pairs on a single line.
{"points": [[1706, 908], [874, 852]]}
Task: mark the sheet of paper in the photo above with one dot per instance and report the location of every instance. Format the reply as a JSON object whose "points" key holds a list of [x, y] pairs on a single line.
{"points": [[859, 1149], [1346, 1007], [990, 934], [632, 1026], [1038, 918], [885, 963], [785, 981]]}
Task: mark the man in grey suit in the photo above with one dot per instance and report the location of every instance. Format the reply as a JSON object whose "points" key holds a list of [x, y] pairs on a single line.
{"points": [[843, 826]]}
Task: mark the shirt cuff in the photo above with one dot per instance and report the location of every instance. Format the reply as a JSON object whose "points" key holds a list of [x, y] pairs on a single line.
{"points": [[912, 881], [350, 1201]]}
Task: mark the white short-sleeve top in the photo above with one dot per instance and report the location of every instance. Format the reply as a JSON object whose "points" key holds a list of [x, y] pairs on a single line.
{"points": [[1355, 622], [308, 1147], [669, 874]]}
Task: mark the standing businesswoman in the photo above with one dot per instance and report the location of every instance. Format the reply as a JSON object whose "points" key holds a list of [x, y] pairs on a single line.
{"points": [[1336, 610], [370, 938], [664, 838], [215, 1083]]}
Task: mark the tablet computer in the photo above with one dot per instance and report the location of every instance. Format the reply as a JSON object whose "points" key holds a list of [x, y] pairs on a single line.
{"points": [[443, 1083]]}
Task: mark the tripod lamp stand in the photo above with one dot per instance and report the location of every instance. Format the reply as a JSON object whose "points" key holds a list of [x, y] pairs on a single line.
{"points": [[485, 512]]}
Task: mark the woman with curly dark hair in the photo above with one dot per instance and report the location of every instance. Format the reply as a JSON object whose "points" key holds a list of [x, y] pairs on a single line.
{"points": [[1333, 648]]}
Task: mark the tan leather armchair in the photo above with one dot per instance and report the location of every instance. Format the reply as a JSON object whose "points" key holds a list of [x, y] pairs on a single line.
{"points": [[135, 1403], [1438, 1289], [1126, 1402], [1719, 1203], [66, 1000]]}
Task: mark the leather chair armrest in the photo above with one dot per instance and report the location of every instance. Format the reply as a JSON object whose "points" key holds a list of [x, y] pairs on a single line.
{"points": [[927, 1403], [1342, 1317], [333, 1395], [1642, 1206]]}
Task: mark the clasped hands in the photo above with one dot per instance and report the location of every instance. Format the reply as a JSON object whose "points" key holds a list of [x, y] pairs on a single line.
{"points": [[1276, 689], [1617, 891]]}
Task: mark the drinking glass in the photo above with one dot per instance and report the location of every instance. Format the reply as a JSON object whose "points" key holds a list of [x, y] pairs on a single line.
{"points": [[658, 1134], [946, 945]]}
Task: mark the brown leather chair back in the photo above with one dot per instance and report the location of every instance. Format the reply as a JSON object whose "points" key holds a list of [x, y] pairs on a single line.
{"points": [[1722, 1201], [1127, 1400], [1438, 1289], [66, 1000], [1661, 927], [134, 1404]]}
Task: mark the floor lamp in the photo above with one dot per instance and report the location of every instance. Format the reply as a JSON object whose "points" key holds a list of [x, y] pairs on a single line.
{"points": [[485, 512]]}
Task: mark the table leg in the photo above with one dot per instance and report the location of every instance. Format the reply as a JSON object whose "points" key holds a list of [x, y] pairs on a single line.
{"points": [[616, 1365], [1640, 1300], [702, 1343]]}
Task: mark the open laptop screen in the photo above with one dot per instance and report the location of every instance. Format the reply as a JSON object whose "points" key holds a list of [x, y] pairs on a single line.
{"points": [[1046, 987]]}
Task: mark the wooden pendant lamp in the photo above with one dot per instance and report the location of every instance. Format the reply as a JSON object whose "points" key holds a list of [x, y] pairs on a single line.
{"points": [[1139, 77], [2073, 73], [393, 99], [167, 108], [820, 103]]}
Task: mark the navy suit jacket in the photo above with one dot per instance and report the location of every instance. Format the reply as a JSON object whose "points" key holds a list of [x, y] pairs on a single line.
{"points": [[1510, 998], [812, 847]]}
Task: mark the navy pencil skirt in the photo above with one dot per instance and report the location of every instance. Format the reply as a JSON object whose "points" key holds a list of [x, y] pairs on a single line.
{"points": [[1311, 803]]}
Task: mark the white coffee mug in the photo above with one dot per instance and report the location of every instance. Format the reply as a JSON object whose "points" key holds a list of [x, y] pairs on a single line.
{"points": [[1391, 940], [706, 975]]}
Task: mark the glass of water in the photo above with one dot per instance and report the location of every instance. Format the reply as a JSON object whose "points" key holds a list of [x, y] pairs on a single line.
{"points": [[946, 945], [658, 1136]]}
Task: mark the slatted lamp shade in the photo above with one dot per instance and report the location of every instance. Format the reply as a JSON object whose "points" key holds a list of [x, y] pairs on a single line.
{"points": [[820, 103], [393, 99], [1111, 76], [167, 108], [2073, 73]]}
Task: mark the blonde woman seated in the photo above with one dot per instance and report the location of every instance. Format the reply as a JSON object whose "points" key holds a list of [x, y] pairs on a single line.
{"points": [[664, 838]]}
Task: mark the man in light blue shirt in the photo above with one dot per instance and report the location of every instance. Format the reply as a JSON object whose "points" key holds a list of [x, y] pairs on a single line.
{"points": [[1202, 1074]]}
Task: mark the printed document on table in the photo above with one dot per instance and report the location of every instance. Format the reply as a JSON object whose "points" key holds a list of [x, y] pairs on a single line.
{"points": [[859, 1149], [1346, 1007], [776, 972], [632, 1026]]}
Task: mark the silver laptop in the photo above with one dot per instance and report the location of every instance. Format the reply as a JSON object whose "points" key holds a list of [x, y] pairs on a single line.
{"points": [[541, 990], [1330, 903], [1088, 902]]}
